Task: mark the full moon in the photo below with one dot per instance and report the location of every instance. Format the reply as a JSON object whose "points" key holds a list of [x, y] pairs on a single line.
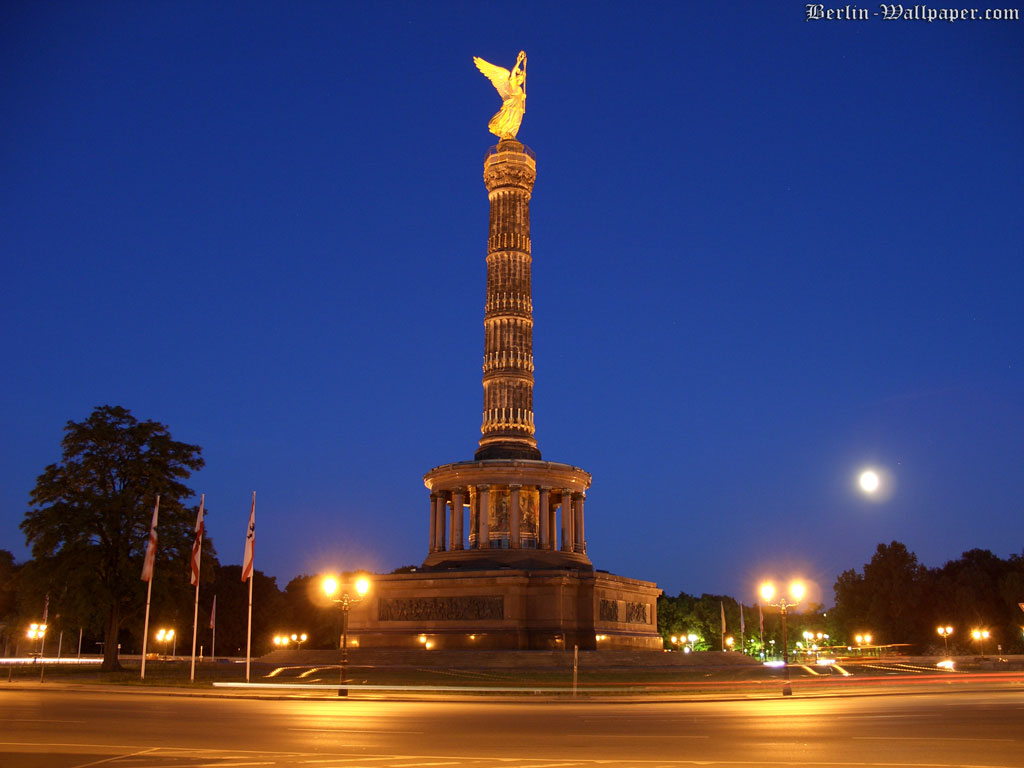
{"points": [[869, 481]]}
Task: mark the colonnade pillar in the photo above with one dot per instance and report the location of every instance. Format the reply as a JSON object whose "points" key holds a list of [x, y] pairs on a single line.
{"points": [[567, 520], [543, 526], [580, 541], [442, 510], [456, 527], [433, 522], [483, 534], [514, 539]]}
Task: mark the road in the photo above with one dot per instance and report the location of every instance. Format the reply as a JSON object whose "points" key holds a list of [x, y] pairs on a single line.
{"points": [[56, 728]]}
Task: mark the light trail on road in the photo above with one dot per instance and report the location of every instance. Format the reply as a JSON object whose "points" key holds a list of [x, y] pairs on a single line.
{"points": [[53, 728]]}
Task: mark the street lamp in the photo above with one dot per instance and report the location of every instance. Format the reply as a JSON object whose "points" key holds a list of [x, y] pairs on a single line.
{"points": [[165, 636], [862, 640], [299, 638], [693, 639], [37, 632], [281, 641], [944, 633], [796, 591], [980, 636], [345, 600]]}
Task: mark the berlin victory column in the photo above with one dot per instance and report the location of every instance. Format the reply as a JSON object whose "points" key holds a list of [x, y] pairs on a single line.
{"points": [[513, 573]]}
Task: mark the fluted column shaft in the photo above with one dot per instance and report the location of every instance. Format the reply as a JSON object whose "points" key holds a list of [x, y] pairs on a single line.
{"points": [[578, 523], [442, 505], [567, 520], [483, 535], [507, 428], [457, 502], [433, 522], [543, 526], [514, 538]]}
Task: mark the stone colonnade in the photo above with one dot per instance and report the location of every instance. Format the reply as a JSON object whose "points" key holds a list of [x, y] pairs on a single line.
{"points": [[516, 517]]}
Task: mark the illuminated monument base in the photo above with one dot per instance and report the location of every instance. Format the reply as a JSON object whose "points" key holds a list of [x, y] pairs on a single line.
{"points": [[520, 580], [507, 609]]}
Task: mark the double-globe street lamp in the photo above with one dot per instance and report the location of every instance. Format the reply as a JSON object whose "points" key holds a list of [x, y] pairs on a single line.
{"points": [[331, 587], [37, 632], [944, 633], [282, 641], [980, 636], [166, 636], [796, 591]]}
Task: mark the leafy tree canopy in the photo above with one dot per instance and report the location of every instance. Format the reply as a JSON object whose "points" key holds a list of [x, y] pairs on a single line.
{"points": [[89, 513]]}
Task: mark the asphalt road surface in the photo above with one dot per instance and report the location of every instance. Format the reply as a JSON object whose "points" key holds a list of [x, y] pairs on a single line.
{"points": [[74, 729]]}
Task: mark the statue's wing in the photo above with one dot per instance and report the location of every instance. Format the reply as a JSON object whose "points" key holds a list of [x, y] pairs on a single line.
{"points": [[499, 76]]}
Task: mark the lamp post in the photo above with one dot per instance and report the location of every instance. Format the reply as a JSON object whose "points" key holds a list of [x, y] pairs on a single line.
{"points": [[299, 639], [796, 591], [862, 640], [37, 632], [165, 636], [331, 587], [944, 633], [980, 636]]}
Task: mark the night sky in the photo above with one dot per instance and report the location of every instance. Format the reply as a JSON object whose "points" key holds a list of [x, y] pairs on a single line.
{"points": [[767, 253]]}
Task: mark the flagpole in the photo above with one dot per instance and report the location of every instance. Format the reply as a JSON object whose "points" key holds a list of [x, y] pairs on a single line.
{"points": [[250, 553], [760, 630], [195, 560], [147, 573], [743, 630], [213, 626], [145, 628], [195, 628]]}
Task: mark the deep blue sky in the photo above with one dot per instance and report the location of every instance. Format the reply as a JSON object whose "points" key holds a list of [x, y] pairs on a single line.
{"points": [[767, 253]]}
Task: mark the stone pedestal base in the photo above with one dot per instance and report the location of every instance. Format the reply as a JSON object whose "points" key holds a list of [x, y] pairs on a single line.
{"points": [[507, 610]]}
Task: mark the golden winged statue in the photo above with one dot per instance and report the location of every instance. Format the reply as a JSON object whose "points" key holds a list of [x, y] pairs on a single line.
{"points": [[511, 87]]}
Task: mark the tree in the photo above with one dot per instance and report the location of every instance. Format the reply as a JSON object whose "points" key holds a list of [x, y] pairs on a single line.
{"points": [[232, 611], [89, 514], [888, 599]]}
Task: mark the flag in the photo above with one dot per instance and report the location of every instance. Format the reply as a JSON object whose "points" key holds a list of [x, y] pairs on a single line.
{"points": [[760, 618], [722, 606], [197, 545], [250, 540], [213, 613], [147, 564], [742, 626]]}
